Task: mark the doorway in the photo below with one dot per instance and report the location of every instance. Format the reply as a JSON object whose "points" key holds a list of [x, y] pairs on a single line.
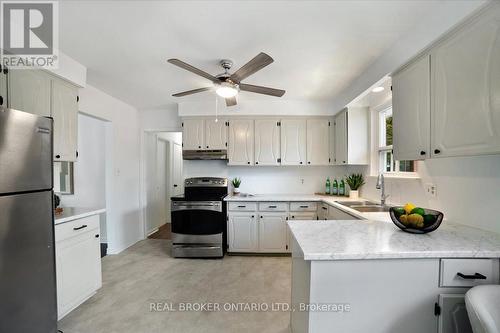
{"points": [[164, 179]]}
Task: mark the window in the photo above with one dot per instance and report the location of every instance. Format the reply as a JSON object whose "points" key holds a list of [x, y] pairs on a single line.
{"points": [[386, 158]]}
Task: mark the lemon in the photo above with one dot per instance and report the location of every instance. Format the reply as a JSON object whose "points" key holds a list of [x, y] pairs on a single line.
{"points": [[416, 220], [409, 207], [403, 219], [418, 210]]}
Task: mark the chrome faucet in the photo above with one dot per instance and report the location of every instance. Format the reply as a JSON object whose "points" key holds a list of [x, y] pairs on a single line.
{"points": [[381, 186]]}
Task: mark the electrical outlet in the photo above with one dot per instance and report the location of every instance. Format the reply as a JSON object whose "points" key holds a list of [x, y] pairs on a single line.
{"points": [[431, 189], [302, 181]]}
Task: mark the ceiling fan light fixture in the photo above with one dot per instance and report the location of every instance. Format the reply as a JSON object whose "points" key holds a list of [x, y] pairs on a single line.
{"points": [[227, 90]]}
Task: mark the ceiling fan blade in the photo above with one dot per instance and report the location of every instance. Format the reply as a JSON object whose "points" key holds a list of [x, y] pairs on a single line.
{"points": [[193, 69], [262, 90], [260, 61], [190, 92], [231, 101]]}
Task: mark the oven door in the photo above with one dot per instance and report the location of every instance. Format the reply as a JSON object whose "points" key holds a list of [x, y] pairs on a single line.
{"points": [[197, 217]]}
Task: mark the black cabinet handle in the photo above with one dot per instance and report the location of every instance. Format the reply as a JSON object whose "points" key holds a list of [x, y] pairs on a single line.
{"points": [[97, 236], [422, 153], [293, 216], [261, 217], [58, 156], [273, 207], [325, 208], [175, 185], [241, 206], [256, 163], [207, 146], [304, 206], [253, 216], [300, 162], [80, 227], [1, 100], [475, 276], [343, 162], [437, 151], [308, 162], [248, 162]]}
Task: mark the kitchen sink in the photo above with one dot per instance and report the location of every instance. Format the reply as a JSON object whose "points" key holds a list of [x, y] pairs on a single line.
{"points": [[357, 203], [371, 208]]}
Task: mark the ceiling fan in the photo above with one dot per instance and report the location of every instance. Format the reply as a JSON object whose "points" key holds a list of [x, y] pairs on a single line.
{"points": [[228, 85]]}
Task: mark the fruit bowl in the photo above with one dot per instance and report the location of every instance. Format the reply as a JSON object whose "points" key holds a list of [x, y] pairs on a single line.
{"points": [[427, 220]]}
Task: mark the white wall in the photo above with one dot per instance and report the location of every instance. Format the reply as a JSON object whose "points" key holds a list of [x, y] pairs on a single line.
{"points": [[89, 171], [160, 119], [124, 214]]}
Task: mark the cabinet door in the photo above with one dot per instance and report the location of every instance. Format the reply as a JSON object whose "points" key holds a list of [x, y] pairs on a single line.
{"points": [[65, 115], [242, 232], [322, 211], [267, 142], [177, 173], [331, 159], [337, 214], [215, 134], [78, 266], [3, 88], [466, 81], [193, 134], [293, 141], [411, 111], [318, 137], [241, 143], [29, 91], [341, 138], [304, 216], [272, 232], [453, 317]]}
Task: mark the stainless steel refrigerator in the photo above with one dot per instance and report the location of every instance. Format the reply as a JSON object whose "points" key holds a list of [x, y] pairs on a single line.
{"points": [[28, 301]]}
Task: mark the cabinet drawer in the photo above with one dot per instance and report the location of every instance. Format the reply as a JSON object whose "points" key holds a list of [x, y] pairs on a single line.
{"points": [[273, 206], [243, 206], [303, 206], [303, 216], [76, 227], [468, 272]]}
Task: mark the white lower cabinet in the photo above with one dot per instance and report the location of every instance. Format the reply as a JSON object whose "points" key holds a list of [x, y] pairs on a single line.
{"points": [[242, 232], [453, 316], [272, 232], [336, 214], [78, 262]]}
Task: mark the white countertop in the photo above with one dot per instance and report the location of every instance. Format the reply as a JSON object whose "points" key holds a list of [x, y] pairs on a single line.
{"points": [[367, 239], [74, 213], [328, 199]]}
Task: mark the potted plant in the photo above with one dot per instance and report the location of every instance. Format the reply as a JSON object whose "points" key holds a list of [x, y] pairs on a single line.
{"points": [[355, 181], [236, 185]]}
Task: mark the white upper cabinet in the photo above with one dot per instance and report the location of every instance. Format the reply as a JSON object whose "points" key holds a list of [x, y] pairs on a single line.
{"points": [[241, 142], [466, 89], [332, 142], [29, 91], [341, 138], [215, 134], [267, 142], [318, 138], [411, 111], [293, 141], [193, 134], [3, 87], [65, 114], [351, 137]]}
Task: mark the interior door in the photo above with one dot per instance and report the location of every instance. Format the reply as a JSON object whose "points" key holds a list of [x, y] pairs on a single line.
{"points": [[29, 91], [161, 182], [215, 134], [466, 81], [241, 142], [65, 114], [177, 177], [341, 138], [267, 142], [411, 111], [193, 134], [293, 141], [318, 137]]}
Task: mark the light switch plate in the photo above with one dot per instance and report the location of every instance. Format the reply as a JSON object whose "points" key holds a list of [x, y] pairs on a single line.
{"points": [[431, 189]]}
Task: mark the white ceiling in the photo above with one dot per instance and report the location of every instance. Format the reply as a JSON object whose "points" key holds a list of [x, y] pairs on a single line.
{"points": [[319, 47]]}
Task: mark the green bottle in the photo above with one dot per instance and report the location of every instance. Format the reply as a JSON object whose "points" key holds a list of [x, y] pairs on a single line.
{"points": [[327, 189], [335, 187], [342, 188]]}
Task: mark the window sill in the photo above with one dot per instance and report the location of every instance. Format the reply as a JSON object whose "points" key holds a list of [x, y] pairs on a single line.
{"points": [[400, 175]]}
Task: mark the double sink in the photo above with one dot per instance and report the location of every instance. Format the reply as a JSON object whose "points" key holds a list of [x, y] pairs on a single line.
{"points": [[365, 206]]}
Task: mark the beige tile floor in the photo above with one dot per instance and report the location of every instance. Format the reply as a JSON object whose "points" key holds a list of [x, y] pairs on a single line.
{"points": [[145, 273]]}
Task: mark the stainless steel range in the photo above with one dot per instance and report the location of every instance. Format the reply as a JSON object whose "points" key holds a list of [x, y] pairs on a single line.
{"points": [[199, 219]]}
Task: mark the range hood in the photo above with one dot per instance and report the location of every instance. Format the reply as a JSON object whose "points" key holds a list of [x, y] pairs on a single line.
{"points": [[204, 154]]}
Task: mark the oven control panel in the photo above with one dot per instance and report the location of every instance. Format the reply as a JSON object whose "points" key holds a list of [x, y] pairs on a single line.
{"points": [[205, 182]]}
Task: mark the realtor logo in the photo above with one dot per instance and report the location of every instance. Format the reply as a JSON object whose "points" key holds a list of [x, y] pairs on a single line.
{"points": [[29, 34]]}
